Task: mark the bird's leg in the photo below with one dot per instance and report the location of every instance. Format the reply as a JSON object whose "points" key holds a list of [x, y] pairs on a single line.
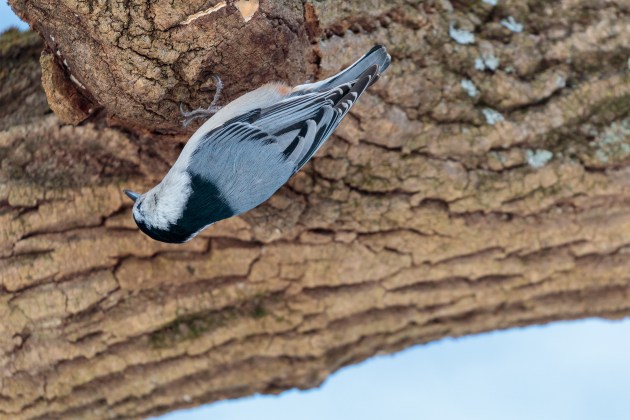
{"points": [[204, 112]]}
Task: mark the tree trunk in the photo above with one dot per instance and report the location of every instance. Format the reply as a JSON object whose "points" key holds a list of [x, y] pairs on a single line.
{"points": [[481, 184]]}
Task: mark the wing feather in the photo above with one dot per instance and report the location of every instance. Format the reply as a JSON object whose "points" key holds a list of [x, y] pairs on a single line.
{"points": [[249, 157]]}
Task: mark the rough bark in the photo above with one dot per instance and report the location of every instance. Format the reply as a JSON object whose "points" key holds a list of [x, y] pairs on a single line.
{"points": [[419, 220]]}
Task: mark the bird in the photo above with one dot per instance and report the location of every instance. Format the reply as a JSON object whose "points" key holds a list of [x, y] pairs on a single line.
{"points": [[248, 149]]}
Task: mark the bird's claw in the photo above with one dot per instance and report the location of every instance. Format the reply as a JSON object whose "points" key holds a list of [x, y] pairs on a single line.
{"points": [[203, 112]]}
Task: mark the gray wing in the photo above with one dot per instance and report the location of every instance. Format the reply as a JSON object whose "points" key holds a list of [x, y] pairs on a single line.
{"points": [[250, 157], [301, 124]]}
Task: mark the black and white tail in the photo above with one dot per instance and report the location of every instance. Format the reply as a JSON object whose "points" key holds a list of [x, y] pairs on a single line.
{"points": [[376, 56]]}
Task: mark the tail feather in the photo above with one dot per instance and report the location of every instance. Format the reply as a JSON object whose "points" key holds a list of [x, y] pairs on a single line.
{"points": [[330, 116], [376, 56]]}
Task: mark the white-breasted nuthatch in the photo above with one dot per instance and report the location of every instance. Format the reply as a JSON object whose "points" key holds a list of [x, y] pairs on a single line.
{"points": [[248, 149]]}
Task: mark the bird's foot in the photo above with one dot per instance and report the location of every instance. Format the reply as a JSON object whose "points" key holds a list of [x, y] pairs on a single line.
{"points": [[197, 113], [203, 112]]}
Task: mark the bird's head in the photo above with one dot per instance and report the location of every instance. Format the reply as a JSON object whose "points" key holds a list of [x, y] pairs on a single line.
{"points": [[156, 219]]}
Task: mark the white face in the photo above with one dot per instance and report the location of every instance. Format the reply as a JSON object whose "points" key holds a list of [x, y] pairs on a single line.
{"points": [[144, 207], [164, 204]]}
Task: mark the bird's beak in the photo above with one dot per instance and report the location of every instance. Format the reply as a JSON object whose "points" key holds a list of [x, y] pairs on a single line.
{"points": [[134, 196]]}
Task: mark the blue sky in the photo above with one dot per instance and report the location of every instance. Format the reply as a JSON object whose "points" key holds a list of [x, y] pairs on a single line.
{"points": [[8, 18], [565, 371]]}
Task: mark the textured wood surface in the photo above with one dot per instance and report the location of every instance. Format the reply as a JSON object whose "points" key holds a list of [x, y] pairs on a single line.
{"points": [[418, 220]]}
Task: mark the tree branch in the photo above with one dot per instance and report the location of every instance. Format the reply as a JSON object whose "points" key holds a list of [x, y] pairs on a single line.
{"points": [[419, 220]]}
